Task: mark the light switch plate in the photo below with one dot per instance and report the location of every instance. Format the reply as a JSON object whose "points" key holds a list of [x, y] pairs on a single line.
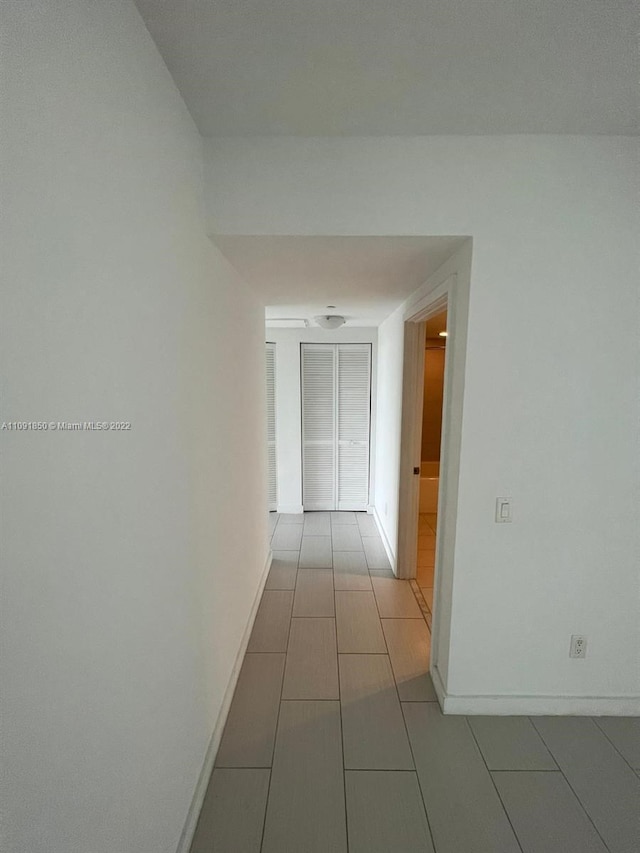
{"points": [[503, 511]]}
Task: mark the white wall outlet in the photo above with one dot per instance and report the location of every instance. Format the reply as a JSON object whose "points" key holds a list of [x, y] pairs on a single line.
{"points": [[578, 647], [503, 511]]}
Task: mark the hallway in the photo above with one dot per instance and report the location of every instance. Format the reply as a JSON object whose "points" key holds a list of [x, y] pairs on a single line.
{"points": [[335, 740]]}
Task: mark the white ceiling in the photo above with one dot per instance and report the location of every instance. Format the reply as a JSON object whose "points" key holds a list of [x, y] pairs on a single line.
{"points": [[366, 278], [401, 67]]}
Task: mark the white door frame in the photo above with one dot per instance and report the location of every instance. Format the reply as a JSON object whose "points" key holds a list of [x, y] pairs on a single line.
{"points": [[448, 287], [411, 434]]}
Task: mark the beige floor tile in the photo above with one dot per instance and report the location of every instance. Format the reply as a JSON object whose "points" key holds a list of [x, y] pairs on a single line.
{"points": [[315, 553], [382, 573], [291, 518], [624, 734], [317, 524], [546, 814], [465, 812], [395, 599], [427, 518], [287, 537], [427, 523], [350, 570], [232, 814], [314, 593], [599, 776], [271, 628], [250, 730], [358, 623], [424, 528], [413, 583], [311, 670], [367, 524], [343, 518], [346, 537], [375, 553], [409, 644], [385, 813], [374, 734], [283, 571], [306, 807], [511, 743], [426, 558], [425, 575], [427, 592]]}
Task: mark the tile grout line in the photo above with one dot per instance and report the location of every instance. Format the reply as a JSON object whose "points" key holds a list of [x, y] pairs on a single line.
{"points": [[344, 771], [493, 782], [422, 604], [307, 700], [553, 758], [520, 770], [406, 730], [417, 775], [275, 739], [595, 720], [404, 723], [415, 584], [375, 598], [386, 618], [571, 788]]}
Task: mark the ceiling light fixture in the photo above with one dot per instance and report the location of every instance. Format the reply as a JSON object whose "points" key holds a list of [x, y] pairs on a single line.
{"points": [[443, 334], [330, 321]]}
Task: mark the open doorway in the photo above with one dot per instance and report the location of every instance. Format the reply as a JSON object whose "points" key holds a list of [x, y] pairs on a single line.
{"points": [[447, 290], [435, 340]]}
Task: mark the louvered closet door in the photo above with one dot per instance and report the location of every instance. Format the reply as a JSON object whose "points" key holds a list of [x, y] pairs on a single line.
{"points": [[336, 405], [318, 426], [354, 407], [272, 478]]}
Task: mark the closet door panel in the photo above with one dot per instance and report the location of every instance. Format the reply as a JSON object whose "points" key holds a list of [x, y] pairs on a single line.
{"points": [[354, 418], [318, 427], [336, 414]]}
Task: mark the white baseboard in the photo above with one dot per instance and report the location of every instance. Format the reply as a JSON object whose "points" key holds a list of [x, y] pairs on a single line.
{"points": [[191, 823], [535, 706], [438, 686], [291, 509], [385, 541]]}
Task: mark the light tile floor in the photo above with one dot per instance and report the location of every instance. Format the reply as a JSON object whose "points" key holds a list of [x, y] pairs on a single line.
{"points": [[426, 557], [335, 741]]}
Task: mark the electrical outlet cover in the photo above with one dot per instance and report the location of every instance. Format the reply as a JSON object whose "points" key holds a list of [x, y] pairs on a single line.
{"points": [[578, 647]]}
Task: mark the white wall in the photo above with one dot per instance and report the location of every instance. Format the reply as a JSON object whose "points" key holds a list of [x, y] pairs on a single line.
{"points": [[130, 560], [550, 417], [288, 403], [389, 418]]}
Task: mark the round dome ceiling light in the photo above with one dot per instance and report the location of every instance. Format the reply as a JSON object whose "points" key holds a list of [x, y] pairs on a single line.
{"points": [[330, 321]]}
